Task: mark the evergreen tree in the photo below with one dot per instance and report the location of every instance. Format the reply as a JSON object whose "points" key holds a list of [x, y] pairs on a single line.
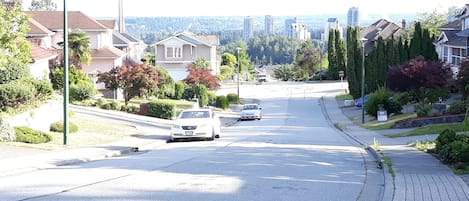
{"points": [[415, 48], [332, 54], [353, 61], [341, 54]]}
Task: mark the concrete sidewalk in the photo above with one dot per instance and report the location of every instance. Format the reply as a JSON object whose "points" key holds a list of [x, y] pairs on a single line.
{"points": [[418, 175], [15, 160]]}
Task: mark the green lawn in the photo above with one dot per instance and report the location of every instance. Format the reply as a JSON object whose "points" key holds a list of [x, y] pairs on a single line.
{"points": [[344, 97], [375, 125], [430, 129]]}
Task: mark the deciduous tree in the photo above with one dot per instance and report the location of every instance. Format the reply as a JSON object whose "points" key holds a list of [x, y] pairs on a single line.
{"points": [[201, 76]]}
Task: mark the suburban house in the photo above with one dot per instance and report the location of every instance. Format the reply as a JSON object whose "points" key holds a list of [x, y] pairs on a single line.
{"points": [[381, 28], [177, 52], [133, 47], [452, 44], [43, 55], [47, 31]]}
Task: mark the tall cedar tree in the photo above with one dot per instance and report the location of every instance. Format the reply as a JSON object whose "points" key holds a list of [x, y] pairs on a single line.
{"points": [[415, 48], [463, 80], [201, 76], [136, 80], [332, 55], [354, 59], [418, 75], [341, 54], [421, 44]]}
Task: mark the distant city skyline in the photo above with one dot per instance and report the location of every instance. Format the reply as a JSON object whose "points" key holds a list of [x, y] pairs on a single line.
{"points": [[151, 8]]}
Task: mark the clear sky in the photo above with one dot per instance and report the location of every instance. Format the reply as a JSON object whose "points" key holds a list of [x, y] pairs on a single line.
{"points": [[151, 8]]}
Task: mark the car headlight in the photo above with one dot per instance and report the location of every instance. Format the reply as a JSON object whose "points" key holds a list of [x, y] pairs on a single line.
{"points": [[177, 126]]}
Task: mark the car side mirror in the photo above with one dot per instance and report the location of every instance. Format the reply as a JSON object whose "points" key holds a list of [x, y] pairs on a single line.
{"points": [[260, 108]]}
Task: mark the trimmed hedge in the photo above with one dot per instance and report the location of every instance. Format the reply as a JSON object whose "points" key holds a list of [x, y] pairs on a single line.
{"points": [[28, 135], [82, 91], [222, 102], [161, 109], [59, 127], [232, 98]]}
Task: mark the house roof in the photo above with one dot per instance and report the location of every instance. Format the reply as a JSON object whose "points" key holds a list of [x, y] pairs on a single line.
{"points": [[107, 52], [111, 24], [53, 20], [193, 39], [454, 25], [37, 29], [39, 53], [381, 28], [453, 39]]}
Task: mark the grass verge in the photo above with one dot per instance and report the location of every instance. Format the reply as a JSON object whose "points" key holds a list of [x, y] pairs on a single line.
{"points": [[429, 129], [375, 125], [344, 97]]}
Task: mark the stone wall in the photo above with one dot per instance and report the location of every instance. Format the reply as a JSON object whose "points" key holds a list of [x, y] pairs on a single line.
{"points": [[418, 122]]}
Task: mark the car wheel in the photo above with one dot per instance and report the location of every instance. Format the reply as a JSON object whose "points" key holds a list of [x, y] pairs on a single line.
{"points": [[213, 135]]}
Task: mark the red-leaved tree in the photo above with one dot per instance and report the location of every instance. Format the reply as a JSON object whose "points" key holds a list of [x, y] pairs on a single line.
{"points": [[201, 76], [135, 80], [418, 76]]}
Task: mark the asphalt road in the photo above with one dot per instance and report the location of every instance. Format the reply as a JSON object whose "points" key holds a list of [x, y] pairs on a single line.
{"points": [[291, 154]]}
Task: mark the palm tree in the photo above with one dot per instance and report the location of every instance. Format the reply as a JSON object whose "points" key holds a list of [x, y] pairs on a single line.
{"points": [[79, 46]]}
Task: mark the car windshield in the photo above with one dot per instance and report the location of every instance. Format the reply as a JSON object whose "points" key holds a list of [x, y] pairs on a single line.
{"points": [[195, 114], [250, 107]]}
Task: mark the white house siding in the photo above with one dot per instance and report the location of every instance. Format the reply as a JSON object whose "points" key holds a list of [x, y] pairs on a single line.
{"points": [[40, 69]]}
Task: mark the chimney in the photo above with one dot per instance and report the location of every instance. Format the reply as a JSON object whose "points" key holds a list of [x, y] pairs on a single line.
{"points": [[121, 27], [403, 24]]}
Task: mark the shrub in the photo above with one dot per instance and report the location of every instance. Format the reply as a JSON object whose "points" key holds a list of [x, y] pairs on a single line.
{"points": [[460, 151], [222, 102], [130, 108], [232, 98], [201, 93], [444, 138], [458, 107], [381, 98], [178, 90], [28, 135], [74, 75], [161, 109], [402, 98], [423, 109], [13, 72], [188, 94], [14, 94], [212, 98], [82, 91], [41, 89], [59, 127]]}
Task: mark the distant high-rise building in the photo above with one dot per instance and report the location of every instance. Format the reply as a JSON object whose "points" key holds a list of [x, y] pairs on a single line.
{"points": [[299, 31], [353, 18], [248, 28], [332, 23], [289, 27], [121, 17], [269, 25]]}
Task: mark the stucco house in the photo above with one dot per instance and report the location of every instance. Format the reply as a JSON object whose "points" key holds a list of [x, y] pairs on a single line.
{"points": [[43, 55], [104, 55], [452, 44], [177, 52]]}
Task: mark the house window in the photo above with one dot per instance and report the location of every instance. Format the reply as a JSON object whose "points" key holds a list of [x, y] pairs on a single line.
{"points": [[173, 52], [445, 54], [457, 56], [466, 24]]}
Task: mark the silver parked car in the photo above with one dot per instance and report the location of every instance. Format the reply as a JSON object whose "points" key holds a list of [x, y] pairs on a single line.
{"points": [[251, 111], [196, 124]]}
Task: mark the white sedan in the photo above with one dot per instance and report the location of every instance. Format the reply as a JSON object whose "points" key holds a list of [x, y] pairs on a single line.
{"points": [[251, 111], [196, 124]]}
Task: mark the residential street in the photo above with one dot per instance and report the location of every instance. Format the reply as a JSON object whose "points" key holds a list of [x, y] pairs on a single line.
{"points": [[293, 153]]}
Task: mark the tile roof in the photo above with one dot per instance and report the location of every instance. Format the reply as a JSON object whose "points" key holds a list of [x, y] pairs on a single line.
{"points": [[107, 52], [39, 53], [36, 28], [111, 24], [53, 20]]}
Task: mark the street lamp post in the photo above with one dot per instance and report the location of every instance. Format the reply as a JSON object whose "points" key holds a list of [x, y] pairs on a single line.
{"points": [[239, 69], [363, 40]]}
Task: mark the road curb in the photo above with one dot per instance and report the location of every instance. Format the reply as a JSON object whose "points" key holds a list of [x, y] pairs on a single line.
{"points": [[388, 193]]}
